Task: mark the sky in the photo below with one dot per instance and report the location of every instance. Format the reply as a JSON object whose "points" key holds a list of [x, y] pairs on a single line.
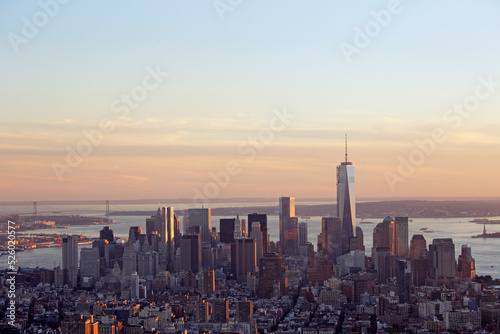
{"points": [[237, 98]]}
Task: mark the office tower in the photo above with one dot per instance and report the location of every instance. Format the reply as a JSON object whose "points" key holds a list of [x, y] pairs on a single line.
{"points": [[133, 233], [419, 270], [106, 234], [257, 234], [167, 234], [288, 225], [226, 233], [357, 242], [403, 280], [191, 252], [145, 265], [442, 258], [202, 218], [383, 235], [331, 233], [262, 219], [346, 204], [244, 310], [401, 237], [70, 259], [271, 273], [177, 232], [207, 255], [129, 259], [221, 310], [303, 234], [385, 264], [244, 228], [134, 286], [153, 224], [418, 247], [243, 258], [238, 230], [89, 263], [302, 240], [466, 264], [208, 281]]}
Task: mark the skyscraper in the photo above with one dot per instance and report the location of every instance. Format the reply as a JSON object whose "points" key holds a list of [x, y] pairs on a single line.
{"points": [[262, 219], [418, 247], [257, 234], [167, 234], [303, 233], [346, 205], [401, 237], [227, 230], [129, 259], [331, 237], [133, 233], [106, 234], [288, 225], [191, 252], [70, 258], [466, 264], [89, 262], [243, 258], [384, 235], [442, 258], [202, 218], [271, 273], [238, 228]]}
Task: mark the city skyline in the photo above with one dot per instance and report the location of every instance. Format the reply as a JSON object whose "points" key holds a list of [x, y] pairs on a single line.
{"points": [[415, 102]]}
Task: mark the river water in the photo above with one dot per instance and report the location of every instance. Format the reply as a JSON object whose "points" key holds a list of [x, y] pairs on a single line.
{"points": [[485, 251]]}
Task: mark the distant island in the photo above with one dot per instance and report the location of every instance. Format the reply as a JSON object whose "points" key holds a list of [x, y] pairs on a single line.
{"points": [[487, 235]]}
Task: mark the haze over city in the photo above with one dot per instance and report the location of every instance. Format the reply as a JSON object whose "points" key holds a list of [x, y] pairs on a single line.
{"points": [[229, 74]]}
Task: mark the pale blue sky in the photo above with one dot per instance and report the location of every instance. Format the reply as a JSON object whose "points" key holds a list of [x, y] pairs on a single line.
{"points": [[227, 76]]}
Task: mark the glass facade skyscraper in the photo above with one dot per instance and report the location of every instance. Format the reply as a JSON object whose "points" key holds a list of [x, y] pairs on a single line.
{"points": [[346, 204]]}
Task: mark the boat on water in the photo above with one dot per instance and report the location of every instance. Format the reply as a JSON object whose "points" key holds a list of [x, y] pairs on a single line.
{"points": [[365, 222], [423, 228]]}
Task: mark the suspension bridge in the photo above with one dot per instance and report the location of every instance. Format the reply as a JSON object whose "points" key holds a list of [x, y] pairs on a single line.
{"points": [[41, 209]]}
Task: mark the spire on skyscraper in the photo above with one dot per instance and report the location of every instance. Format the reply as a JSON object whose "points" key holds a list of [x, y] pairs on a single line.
{"points": [[346, 148]]}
